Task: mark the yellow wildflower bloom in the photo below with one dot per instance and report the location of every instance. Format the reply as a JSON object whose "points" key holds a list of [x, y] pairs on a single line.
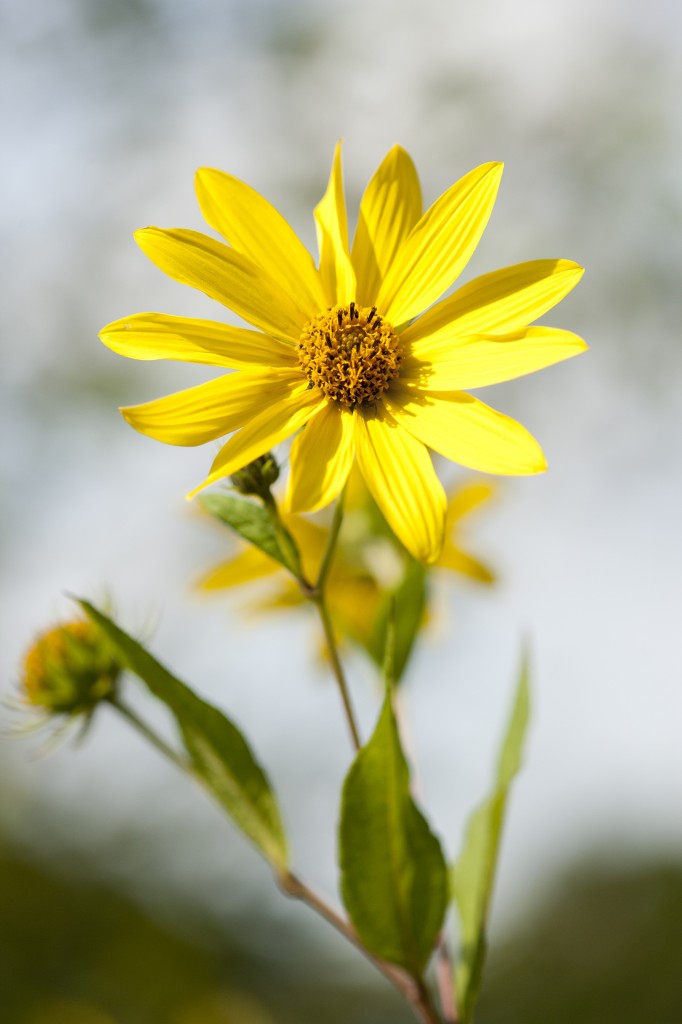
{"points": [[337, 349]]}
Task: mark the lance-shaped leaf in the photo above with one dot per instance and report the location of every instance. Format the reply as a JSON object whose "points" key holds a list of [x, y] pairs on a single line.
{"points": [[393, 874], [218, 753], [255, 524], [473, 875]]}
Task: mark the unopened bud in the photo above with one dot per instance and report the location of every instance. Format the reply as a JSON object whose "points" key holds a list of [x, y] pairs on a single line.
{"points": [[258, 477], [70, 669]]}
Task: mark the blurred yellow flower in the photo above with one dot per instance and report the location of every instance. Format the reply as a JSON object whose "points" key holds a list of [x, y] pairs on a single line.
{"points": [[338, 349], [353, 595], [357, 588]]}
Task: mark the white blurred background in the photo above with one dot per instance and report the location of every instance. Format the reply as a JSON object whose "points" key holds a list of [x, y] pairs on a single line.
{"points": [[109, 107]]}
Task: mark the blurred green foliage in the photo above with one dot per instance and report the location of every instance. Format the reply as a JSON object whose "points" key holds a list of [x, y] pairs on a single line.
{"points": [[605, 949]]}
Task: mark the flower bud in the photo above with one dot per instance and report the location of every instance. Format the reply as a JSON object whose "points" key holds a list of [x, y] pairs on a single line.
{"points": [[69, 669], [258, 477]]}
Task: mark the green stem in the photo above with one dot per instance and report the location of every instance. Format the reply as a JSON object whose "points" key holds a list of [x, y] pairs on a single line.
{"points": [[330, 549], [284, 538], [318, 596], [415, 992], [337, 668], [149, 734], [446, 988]]}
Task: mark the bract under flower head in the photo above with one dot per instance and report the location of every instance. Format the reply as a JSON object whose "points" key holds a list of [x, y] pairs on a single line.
{"points": [[69, 669], [352, 356]]}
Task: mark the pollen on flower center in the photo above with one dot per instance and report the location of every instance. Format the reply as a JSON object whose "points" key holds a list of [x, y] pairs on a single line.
{"points": [[350, 353]]}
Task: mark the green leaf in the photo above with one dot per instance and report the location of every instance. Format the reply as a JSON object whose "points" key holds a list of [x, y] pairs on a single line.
{"points": [[473, 875], [405, 606], [218, 753], [255, 524], [393, 873]]}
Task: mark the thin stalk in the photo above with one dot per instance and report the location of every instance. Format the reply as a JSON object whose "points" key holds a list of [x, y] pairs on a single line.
{"points": [[149, 734], [337, 668], [318, 597], [330, 549], [415, 992], [284, 539], [446, 988]]}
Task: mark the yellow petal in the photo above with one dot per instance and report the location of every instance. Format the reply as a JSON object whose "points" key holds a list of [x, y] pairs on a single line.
{"points": [[465, 499], [401, 478], [157, 336], [287, 596], [457, 364], [458, 561], [225, 275], [321, 457], [250, 564], [390, 207], [256, 229], [278, 420], [497, 303], [212, 409], [336, 269], [439, 246], [466, 431]]}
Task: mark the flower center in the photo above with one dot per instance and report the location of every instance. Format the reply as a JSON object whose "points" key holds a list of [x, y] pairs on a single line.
{"points": [[350, 353]]}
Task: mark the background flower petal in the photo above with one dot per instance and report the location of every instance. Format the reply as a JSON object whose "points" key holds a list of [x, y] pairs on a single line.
{"points": [[250, 564], [465, 499], [502, 301], [255, 228], [400, 476], [157, 336], [467, 431], [457, 364], [279, 420], [210, 410], [321, 457], [336, 269], [390, 207], [225, 275], [459, 561], [439, 246]]}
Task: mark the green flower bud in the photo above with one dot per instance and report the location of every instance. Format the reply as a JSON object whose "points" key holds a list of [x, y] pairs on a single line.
{"points": [[70, 669], [258, 477]]}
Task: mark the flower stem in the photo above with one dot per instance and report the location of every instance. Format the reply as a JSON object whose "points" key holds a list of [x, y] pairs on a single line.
{"points": [[145, 730], [446, 988], [330, 549], [414, 991], [337, 668], [318, 597]]}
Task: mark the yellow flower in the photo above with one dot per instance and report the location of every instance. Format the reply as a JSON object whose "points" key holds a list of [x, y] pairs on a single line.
{"points": [[338, 350]]}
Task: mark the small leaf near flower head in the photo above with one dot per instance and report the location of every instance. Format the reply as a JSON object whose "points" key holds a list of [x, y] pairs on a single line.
{"points": [[255, 524], [219, 754], [473, 875]]}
